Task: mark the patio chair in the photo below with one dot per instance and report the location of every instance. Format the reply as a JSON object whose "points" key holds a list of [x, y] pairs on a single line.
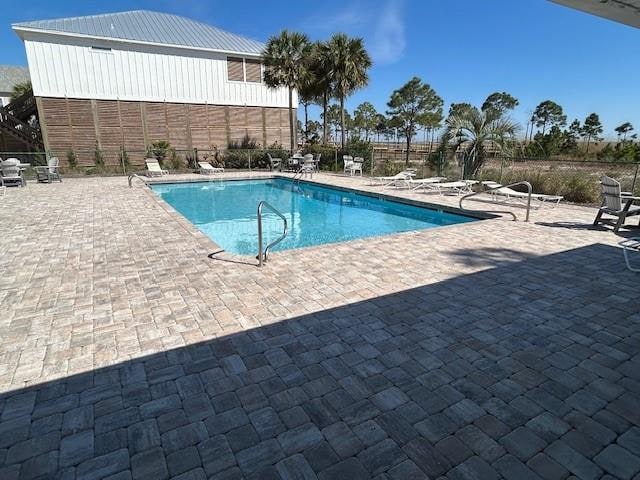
{"points": [[207, 169], [11, 173], [153, 168], [511, 194], [348, 162], [49, 172], [356, 166], [612, 203], [308, 166], [274, 163]]}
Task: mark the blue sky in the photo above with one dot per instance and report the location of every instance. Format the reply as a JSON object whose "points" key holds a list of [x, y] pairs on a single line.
{"points": [[465, 49]]}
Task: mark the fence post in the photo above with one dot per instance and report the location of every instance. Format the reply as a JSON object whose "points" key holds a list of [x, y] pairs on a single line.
{"points": [[635, 177], [124, 169], [249, 161], [335, 154]]}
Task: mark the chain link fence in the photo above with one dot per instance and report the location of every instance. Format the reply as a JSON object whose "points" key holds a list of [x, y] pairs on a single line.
{"points": [[576, 180]]}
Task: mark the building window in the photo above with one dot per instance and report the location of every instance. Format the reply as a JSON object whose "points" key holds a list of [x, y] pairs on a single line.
{"points": [[244, 70], [100, 49], [235, 69], [253, 70]]}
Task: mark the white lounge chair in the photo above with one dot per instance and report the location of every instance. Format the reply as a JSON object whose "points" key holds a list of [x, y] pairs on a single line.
{"points": [[511, 194], [154, 169], [631, 245], [612, 203], [348, 163], [50, 172], [459, 187], [417, 184], [11, 173], [207, 169], [394, 179], [308, 166]]}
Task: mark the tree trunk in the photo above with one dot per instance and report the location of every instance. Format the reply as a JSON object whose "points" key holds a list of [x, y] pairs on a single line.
{"points": [[324, 118], [406, 159], [306, 123], [586, 153], [342, 132], [291, 126]]}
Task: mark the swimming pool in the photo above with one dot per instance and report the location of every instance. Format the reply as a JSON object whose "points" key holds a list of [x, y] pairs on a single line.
{"points": [[225, 211]]}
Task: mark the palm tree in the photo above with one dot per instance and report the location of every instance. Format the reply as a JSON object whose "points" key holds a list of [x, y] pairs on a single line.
{"points": [[348, 63], [472, 128], [286, 59], [321, 67]]}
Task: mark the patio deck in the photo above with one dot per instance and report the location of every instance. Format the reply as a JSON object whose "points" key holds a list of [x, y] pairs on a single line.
{"points": [[495, 349]]}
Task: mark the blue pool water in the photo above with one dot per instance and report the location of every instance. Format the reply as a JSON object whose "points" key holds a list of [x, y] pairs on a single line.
{"points": [[225, 211]]}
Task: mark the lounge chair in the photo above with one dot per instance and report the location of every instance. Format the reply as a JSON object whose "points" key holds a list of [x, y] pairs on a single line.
{"points": [[274, 163], [612, 203], [207, 169], [50, 172], [459, 187], [11, 173], [417, 184], [511, 194], [394, 179], [631, 245], [153, 168]]}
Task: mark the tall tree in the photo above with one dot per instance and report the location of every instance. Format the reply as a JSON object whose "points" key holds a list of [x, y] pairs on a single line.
{"points": [[591, 129], [331, 117], [382, 126], [459, 108], [321, 68], [413, 105], [308, 93], [348, 62], [365, 118], [500, 102], [548, 113], [286, 60], [623, 130], [472, 128]]}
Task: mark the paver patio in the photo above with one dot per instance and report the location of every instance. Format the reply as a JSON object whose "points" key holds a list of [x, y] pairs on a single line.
{"points": [[495, 349]]}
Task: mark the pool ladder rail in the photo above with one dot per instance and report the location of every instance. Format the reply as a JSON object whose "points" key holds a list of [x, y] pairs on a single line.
{"points": [[263, 255], [506, 212]]}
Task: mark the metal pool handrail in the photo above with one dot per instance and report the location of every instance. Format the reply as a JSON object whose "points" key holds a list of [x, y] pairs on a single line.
{"points": [[262, 257], [134, 176], [529, 190]]}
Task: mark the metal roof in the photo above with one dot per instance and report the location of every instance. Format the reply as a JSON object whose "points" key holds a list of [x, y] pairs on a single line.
{"points": [[143, 26], [11, 75], [623, 11]]}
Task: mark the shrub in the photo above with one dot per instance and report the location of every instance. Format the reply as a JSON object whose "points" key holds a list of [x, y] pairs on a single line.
{"points": [[72, 160], [98, 158], [236, 159], [247, 143], [159, 150], [123, 158]]}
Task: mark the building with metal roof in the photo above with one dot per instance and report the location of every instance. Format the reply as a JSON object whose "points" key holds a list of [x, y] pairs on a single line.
{"points": [[128, 79], [147, 28]]}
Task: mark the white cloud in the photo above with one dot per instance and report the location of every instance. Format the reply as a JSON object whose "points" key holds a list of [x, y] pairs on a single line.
{"points": [[388, 42], [382, 28]]}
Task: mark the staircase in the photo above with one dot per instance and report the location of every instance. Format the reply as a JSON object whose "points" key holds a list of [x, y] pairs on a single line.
{"points": [[14, 118], [23, 107]]}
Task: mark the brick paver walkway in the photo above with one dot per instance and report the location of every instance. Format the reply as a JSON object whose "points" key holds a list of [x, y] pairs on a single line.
{"points": [[479, 351]]}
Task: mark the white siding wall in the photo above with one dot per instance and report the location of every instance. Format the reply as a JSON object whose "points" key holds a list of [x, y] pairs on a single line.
{"points": [[136, 72]]}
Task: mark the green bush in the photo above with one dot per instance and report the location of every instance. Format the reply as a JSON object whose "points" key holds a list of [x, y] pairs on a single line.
{"points": [[72, 160], [98, 158], [159, 150], [247, 143]]}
